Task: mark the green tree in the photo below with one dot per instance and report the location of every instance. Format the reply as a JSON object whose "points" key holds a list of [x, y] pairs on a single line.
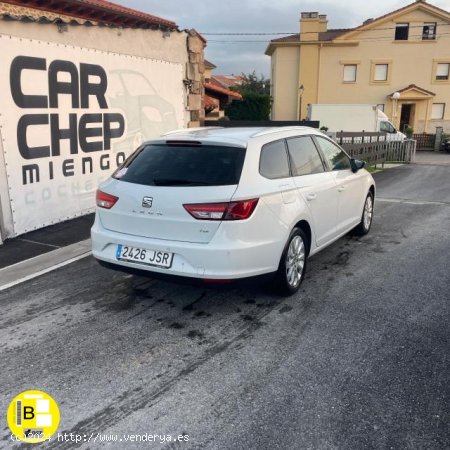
{"points": [[254, 84], [256, 101]]}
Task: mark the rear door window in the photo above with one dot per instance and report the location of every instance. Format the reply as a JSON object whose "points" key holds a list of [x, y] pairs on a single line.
{"points": [[184, 165], [305, 158], [274, 161], [336, 157]]}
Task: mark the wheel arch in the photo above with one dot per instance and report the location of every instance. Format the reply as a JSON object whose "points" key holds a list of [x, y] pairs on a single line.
{"points": [[306, 228]]}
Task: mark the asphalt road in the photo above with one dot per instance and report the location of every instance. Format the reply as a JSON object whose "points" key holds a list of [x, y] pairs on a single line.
{"points": [[359, 359]]}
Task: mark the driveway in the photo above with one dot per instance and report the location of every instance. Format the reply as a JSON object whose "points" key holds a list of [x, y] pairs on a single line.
{"points": [[432, 158]]}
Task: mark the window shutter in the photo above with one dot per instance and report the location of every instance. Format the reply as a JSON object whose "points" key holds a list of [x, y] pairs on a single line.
{"points": [[437, 110], [442, 70], [350, 72], [381, 71]]}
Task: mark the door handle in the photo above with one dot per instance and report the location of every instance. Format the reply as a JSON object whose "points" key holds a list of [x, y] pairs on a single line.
{"points": [[310, 197]]}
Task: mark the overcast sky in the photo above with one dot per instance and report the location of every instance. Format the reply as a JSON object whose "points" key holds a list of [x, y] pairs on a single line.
{"points": [[259, 16]]}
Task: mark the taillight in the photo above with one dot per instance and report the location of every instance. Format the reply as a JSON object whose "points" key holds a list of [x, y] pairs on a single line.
{"points": [[240, 210], [105, 200]]}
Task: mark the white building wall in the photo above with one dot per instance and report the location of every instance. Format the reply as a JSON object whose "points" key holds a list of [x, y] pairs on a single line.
{"points": [[150, 66]]}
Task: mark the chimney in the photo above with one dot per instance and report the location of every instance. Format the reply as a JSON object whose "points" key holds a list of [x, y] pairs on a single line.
{"points": [[311, 24]]}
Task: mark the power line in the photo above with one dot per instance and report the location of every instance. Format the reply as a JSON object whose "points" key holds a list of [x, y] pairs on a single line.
{"points": [[363, 39], [344, 30]]}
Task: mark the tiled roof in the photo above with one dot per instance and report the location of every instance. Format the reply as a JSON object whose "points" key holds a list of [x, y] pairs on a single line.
{"points": [[384, 16], [101, 11], [25, 13], [290, 38], [406, 7], [227, 81], [214, 88], [323, 36], [211, 103], [332, 34]]}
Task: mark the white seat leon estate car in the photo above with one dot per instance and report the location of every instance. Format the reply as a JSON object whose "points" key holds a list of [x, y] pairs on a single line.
{"points": [[221, 204]]}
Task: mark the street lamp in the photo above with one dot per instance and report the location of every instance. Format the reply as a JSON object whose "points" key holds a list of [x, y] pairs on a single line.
{"points": [[395, 97], [301, 89]]}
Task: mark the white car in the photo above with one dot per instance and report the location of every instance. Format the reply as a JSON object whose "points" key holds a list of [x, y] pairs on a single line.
{"points": [[221, 204]]}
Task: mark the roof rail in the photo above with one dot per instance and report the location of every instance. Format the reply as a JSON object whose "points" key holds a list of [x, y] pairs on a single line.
{"points": [[270, 130], [189, 130]]}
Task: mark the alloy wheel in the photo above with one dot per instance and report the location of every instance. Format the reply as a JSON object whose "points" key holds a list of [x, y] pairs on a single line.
{"points": [[295, 261], [368, 212]]}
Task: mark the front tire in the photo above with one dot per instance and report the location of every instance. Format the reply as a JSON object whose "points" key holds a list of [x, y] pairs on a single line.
{"points": [[367, 216], [291, 269]]}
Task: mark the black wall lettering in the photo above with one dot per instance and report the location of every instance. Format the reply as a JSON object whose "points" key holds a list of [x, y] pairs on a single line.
{"points": [[25, 150], [30, 172], [56, 87], [22, 100], [68, 168], [58, 134], [97, 90], [84, 133], [112, 133], [120, 158], [104, 162], [86, 161]]}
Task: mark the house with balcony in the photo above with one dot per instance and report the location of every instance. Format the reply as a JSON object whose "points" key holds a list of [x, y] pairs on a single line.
{"points": [[399, 61]]}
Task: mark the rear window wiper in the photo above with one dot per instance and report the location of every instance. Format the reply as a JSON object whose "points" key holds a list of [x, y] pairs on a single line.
{"points": [[178, 182]]}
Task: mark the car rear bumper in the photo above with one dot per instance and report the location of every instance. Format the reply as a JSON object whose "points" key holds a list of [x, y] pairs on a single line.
{"points": [[220, 259]]}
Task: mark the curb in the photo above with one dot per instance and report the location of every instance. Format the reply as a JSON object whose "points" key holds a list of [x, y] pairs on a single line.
{"points": [[31, 268]]}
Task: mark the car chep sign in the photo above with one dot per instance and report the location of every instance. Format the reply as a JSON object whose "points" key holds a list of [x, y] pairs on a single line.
{"points": [[70, 116]]}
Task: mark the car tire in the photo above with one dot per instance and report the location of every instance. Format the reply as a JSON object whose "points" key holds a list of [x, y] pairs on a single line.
{"points": [[366, 218], [292, 266]]}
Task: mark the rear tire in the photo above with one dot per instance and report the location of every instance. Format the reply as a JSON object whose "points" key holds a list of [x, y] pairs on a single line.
{"points": [[291, 269], [366, 218]]}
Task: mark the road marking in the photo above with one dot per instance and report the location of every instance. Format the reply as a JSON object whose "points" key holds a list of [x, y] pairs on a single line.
{"points": [[39, 243], [42, 272], [34, 267], [411, 202]]}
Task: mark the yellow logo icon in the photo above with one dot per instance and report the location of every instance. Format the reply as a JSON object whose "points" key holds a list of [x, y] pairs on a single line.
{"points": [[33, 416]]}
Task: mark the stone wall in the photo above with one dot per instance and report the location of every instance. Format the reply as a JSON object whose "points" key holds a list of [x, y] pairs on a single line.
{"points": [[196, 77]]}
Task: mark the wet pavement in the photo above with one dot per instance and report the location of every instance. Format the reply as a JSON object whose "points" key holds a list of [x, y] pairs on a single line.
{"points": [[357, 359]]}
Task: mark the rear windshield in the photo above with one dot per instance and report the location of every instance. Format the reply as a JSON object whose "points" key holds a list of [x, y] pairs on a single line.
{"points": [[183, 165]]}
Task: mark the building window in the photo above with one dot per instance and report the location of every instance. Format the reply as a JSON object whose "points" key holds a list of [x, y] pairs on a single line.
{"points": [[429, 31], [401, 31], [380, 106], [437, 111], [381, 72], [349, 73], [442, 71]]}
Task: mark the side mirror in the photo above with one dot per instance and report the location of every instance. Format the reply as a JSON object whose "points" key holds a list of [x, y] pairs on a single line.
{"points": [[356, 164]]}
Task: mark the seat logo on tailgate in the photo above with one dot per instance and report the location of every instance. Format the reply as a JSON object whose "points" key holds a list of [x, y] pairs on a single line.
{"points": [[147, 202]]}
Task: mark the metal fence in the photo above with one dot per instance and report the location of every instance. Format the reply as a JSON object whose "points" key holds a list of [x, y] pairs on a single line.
{"points": [[379, 152], [425, 141]]}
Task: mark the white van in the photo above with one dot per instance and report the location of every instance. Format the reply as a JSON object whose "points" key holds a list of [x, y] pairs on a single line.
{"points": [[355, 118]]}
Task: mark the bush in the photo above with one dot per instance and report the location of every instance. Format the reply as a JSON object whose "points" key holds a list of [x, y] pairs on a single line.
{"points": [[254, 106]]}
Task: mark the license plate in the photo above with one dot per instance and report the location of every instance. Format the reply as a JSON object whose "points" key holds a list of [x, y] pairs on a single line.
{"points": [[156, 258]]}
